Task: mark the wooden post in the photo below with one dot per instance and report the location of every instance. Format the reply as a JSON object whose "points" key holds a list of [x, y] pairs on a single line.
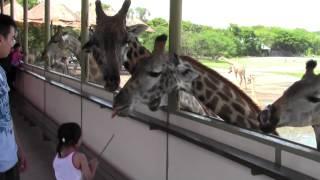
{"points": [[175, 26], [26, 29], [174, 43], [12, 9], [2, 4], [84, 38], [47, 27]]}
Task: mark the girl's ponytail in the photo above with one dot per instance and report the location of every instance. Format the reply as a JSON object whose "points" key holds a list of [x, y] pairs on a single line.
{"points": [[59, 146]]}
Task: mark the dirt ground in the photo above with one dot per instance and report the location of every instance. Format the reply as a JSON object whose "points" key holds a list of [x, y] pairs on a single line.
{"points": [[267, 88]]}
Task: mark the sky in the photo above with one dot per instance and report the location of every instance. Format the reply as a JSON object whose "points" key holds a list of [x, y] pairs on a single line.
{"points": [[220, 13]]}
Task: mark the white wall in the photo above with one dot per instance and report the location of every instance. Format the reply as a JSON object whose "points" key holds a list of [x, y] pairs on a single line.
{"points": [[141, 153]]}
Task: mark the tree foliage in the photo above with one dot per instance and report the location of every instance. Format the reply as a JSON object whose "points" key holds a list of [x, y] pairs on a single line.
{"points": [[31, 3], [205, 41]]}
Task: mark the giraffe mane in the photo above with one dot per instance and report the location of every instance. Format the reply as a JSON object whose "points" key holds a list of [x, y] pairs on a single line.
{"points": [[214, 73]]}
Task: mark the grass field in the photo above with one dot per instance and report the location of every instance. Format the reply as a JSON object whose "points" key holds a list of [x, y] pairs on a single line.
{"points": [[291, 66]]}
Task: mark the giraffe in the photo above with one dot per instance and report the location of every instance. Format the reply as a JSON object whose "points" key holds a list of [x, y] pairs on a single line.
{"points": [[63, 45], [61, 66], [161, 74], [52, 51], [239, 70], [298, 106], [65, 42], [138, 52], [108, 42]]}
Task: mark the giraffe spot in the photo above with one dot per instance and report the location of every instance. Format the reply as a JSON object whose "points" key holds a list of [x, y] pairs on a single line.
{"points": [[238, 108], [254, 123], [240, 101], [213, 79], [135, 45], [201, 98], [135, 54], [224, 97], [199, 85], [208, 94], [227, 91], [210, 85], [129, 54], [225, 113], [141, 51], [241, 122], [213, 103]]}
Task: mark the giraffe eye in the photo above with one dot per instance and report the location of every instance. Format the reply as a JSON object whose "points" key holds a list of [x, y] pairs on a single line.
{"points": [[186, 72], [154, 74]]}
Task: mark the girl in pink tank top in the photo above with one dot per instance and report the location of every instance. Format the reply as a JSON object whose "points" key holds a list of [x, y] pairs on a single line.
{"points": [[69, 164]]}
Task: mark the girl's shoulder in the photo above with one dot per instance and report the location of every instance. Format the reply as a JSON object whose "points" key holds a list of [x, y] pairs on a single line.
{"points": [[78, 159]]}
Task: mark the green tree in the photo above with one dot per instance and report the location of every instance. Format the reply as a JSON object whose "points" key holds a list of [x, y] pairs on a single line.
{"points": [[105, 6], [31, 3], [247, 42], [161, 26], [142, 13]]}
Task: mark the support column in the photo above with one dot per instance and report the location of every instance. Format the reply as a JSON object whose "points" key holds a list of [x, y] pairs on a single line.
{"points": [[84, 38], [175, 26], [46, 27], [2, 4], [174, 43], [12, 9], [26, 29]]}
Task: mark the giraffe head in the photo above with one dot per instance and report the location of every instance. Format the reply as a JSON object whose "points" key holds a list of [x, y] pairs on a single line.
{"points": [[108, 42], [298, 106], [154, 77], [61, 45]]}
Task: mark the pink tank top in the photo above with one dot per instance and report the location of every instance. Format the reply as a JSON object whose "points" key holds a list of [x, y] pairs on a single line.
{"points": [[64, 168]]}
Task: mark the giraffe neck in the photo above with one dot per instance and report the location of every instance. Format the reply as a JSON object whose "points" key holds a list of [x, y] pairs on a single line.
{"points": [[222, 97], [135, 53], [94, 72]]}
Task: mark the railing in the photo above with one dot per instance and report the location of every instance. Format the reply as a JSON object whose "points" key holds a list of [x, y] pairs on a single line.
{"points": [[187, 146]]}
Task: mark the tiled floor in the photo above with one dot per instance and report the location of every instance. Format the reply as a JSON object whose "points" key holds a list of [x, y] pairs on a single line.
{"points": [[39, 153]]}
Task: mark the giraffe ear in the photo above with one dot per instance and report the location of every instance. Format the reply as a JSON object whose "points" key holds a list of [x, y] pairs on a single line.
{"points": [[137, 29]]}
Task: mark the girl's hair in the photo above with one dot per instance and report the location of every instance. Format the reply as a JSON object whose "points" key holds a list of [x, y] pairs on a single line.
{"points": [[68, 135], [17, 45]]}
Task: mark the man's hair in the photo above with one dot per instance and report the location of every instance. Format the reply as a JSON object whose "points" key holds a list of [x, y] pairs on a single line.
{"points": [[5, 23]]}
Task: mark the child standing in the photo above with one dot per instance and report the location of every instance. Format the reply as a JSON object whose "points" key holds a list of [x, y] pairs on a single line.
{"points": [[69, 164]]}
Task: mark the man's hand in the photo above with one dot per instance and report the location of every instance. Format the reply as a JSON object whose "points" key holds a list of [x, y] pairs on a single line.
{"points": [[22, 160]]}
